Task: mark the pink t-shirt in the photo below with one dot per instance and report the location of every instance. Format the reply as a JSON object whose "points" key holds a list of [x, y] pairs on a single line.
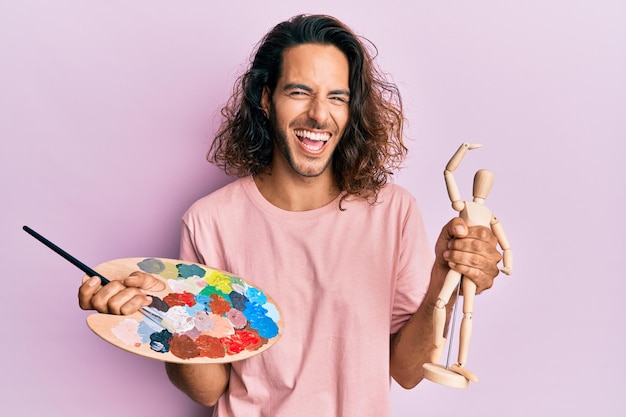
{"points": [[344, 281]]}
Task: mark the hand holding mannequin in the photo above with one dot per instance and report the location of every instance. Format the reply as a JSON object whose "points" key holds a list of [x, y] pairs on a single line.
{"points": [[474, 213]]}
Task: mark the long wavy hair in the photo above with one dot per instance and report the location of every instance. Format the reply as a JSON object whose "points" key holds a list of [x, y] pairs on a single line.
{"points": [[371, 147]]}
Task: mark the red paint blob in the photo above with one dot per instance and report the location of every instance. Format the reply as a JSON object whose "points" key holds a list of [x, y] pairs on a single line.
{"points": [[242, 339], [180, 299]]}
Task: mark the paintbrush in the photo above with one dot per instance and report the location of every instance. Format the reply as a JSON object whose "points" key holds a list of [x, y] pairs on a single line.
{"points": [[153, 311], [87, 270]]}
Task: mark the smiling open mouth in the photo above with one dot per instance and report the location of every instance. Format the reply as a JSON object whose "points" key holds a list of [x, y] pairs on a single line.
{"points": [[313, 141]]}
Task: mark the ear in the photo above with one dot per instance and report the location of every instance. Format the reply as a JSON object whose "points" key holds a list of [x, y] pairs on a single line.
{"points": [[265, 101]]}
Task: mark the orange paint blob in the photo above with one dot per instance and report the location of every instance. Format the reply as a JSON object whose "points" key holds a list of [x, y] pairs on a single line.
{"points": [[219, 305], [210, 347]]}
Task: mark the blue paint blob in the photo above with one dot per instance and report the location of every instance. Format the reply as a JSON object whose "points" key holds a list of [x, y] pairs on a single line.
{"points": [[151, 266], [196, 307], [256, 296], [187, 271], [254, 311], [203, 299], [266, 327], [272, 311], [258, 320], [146, 328]]}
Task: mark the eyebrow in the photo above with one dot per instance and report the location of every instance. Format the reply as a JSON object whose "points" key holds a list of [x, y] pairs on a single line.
{"points": [[295, 86]]}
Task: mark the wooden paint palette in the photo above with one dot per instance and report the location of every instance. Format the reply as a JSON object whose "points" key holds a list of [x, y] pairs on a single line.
{"points": [[205, 316]]}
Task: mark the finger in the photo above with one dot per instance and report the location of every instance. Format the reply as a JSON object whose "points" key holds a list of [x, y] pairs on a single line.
{"points": [[86, 291], [110, 298], [485, 260], [479, 241], [475, 258], [482, 233], [475, 246], [133, 304], [455, 228], [482, 280], [126, 301]]}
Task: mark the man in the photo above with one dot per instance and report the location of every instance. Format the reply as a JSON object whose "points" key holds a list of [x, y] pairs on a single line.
{"points": [[314, 132]]}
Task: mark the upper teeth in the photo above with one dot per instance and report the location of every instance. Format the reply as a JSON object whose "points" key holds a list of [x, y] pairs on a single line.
{"points": [[312, 135]]}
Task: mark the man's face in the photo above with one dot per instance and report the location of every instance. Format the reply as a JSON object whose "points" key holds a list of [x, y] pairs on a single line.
{"points": [[309, 109]]}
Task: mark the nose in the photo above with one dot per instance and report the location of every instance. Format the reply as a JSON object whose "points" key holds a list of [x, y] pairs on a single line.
{"points": [[318, 111]]}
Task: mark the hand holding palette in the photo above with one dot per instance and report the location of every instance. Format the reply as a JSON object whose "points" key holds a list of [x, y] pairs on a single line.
{"points": [[203, 316]]}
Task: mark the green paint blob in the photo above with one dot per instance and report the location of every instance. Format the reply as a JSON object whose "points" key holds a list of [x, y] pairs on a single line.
{"points": [[186, 271], [211, 290]]}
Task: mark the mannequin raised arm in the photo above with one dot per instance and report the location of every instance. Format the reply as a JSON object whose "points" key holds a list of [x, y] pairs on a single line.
{"points": [[453, 190]]}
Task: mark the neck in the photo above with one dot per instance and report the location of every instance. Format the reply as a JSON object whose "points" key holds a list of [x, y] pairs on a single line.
{"points": [[295, 192]]}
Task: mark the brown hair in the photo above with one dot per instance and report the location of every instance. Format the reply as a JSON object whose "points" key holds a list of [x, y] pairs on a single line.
{"points": [[371, 147]]}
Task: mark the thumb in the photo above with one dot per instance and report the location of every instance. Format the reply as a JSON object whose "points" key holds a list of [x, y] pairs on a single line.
{"points": [[144, 281], [456, 228]]}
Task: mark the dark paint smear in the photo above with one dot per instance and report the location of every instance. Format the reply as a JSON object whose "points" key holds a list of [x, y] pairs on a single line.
{"points": [[238, 301], [159, 304], [160, 341]]}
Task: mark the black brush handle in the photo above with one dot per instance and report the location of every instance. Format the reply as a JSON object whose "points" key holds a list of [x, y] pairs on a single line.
{"points": [[87, 270]]}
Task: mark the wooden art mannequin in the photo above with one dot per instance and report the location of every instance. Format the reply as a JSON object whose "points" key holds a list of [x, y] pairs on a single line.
{"points": [[475, 213]]}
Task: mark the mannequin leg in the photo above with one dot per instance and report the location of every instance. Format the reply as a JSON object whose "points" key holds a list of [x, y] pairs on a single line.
{"points": [[440, 314]]}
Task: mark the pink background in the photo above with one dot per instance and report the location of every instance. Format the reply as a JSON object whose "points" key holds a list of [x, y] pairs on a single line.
{"points": [[107, 109]]}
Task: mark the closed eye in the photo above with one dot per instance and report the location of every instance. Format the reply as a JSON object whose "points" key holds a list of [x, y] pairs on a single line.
{"points": [[297, 90], [340, 99], [341, 96]]}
